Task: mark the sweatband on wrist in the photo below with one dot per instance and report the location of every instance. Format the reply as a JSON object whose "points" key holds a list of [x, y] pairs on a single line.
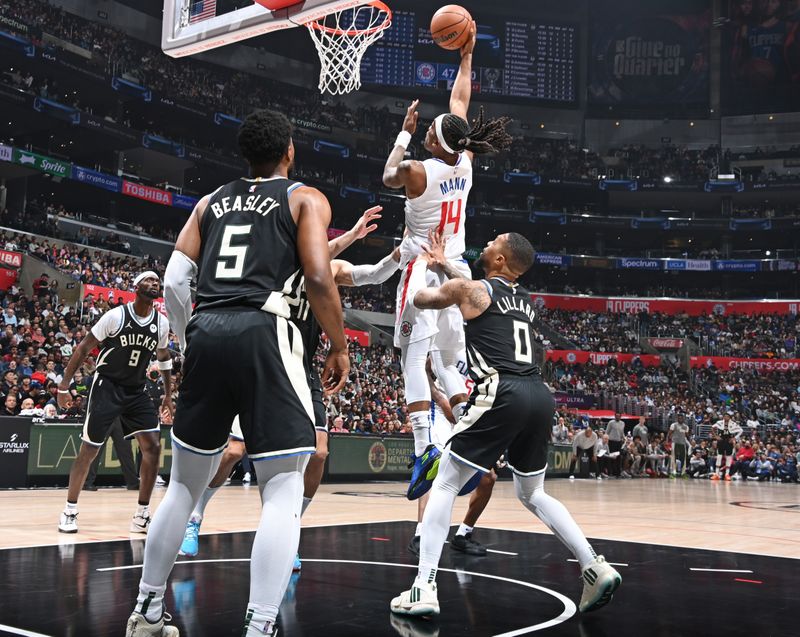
{"points": [[165, 365], [403, 139], [63, 391]]}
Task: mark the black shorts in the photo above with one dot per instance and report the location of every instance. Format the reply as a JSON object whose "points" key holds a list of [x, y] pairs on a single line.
{"points": [[320, 415], [109, 401], [251, 364], [507, 413], [725, 447]]}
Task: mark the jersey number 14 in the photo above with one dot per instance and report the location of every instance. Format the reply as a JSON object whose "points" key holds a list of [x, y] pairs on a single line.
{"points": [[448, 217]]}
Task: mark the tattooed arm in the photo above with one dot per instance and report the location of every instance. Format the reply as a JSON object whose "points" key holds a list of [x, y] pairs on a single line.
{"points": [[471, 297]]}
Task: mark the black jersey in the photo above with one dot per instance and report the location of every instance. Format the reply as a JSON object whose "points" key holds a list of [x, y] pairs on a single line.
{"points": [[249, 252], [499, 340], [126, 353]]}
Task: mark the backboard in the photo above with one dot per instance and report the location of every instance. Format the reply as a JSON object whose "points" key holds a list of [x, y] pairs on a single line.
{"points": [[181, 35]]}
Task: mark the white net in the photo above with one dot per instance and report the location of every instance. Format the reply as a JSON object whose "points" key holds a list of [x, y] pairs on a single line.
{"points": [[341, 39]]}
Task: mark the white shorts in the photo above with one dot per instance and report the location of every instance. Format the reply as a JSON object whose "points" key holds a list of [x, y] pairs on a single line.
{"points": [[441, 428], [413, 325]]}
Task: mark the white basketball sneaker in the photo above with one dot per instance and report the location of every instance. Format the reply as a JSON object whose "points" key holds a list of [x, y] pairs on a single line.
{"points": [[138, 626], [140, 521], [600, 580], [421, 599], [68, 521]]}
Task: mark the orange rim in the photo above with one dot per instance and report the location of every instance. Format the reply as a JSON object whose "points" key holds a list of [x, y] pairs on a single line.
{"points": [[377, 4]]}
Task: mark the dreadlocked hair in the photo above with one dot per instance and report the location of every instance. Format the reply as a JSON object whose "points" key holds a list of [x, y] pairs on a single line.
{"points": [[485, 136]]}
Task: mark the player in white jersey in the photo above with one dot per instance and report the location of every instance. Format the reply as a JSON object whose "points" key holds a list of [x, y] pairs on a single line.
{"points": [[436, 197]]}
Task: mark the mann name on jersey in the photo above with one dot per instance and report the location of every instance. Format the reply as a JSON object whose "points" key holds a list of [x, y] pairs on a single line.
{"points": [[454, 184]]}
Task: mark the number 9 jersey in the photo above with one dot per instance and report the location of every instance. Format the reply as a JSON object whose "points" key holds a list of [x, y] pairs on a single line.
{"points": [[442, 206]]}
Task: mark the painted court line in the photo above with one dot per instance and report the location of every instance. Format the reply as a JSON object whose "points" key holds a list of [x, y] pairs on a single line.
{"points": [[720, 570], [609, 563], [569, 606], [494, 551], [21, 631]]}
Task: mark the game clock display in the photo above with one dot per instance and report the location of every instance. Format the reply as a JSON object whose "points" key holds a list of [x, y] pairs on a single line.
{"points": [[512, 58]]}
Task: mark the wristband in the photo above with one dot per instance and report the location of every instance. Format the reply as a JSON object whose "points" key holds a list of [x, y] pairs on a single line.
{"points": [[63, 391], [165, 365], [403, 139]]}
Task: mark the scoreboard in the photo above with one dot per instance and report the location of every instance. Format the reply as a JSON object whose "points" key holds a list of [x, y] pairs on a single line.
{"points": [[513, 58]]}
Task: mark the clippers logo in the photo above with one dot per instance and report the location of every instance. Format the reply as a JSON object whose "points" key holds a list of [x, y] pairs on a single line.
{"points": [[405, 329], [426, 72]]}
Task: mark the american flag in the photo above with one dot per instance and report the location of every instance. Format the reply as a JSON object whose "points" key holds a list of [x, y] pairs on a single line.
{"points": [[202, 10]]}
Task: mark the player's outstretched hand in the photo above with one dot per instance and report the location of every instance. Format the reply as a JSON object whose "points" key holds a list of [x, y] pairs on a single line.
{"points": [[470, 43], [337, 367], [434, 251], [410, 122], [365, 223]]}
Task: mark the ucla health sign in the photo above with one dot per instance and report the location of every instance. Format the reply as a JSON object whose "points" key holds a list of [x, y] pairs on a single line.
{"points": [[95, 178]]}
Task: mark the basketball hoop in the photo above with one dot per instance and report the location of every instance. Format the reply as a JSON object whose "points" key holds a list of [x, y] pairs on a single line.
{"points": [[341, 38]]}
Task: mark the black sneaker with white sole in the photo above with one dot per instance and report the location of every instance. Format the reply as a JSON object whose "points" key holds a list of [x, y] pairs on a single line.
{"points": [[466, 544]]}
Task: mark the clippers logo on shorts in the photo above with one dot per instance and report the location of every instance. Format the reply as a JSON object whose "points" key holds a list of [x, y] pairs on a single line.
{"points": [[377, 457], [405, 329], [126, 355]]}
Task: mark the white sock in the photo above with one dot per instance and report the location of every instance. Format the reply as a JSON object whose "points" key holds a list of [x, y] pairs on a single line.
{"points": [[418, 530], [142, 509], [421, 428], [530, 491], [258, 623], [71, 507], [306, 502], [458, 409], [150, 601], [276, 541], [190, 475], [463, 529], [451, 478], [200, 509]]}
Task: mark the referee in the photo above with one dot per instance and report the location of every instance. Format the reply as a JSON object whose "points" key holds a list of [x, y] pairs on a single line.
{"points": [[615, 429]]}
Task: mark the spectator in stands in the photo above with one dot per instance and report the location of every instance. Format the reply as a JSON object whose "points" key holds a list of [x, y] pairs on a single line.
{"points": [[762, 468], [338, 426], [560, 431], [641, 430], [745, 454], [584, 445], [10, 404], [698, 466]]}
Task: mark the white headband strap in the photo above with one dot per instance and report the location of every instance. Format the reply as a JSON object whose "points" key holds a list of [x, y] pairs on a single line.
{"points": [[145, 275], [438, 126]]}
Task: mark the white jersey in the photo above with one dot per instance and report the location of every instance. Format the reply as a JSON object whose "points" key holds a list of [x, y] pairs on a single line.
{"points": [[442, 205], [732, 430]]}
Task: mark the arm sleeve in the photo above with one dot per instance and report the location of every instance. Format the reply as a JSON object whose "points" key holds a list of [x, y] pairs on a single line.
{"points": [[375, 274], [163, 332], [110, 323], [177, 293]]}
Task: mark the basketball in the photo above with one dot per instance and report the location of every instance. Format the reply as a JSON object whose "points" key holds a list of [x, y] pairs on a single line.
{"points": [[450, 27]]}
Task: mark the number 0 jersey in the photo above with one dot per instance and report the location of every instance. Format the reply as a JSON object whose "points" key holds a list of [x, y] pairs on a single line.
{"points": [[249, 254], [499, 340], [128, 344], [442, 206]]}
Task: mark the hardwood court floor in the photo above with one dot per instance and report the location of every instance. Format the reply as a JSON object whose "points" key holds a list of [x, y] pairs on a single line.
{"points": [[355, 560], [742, 517]]}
